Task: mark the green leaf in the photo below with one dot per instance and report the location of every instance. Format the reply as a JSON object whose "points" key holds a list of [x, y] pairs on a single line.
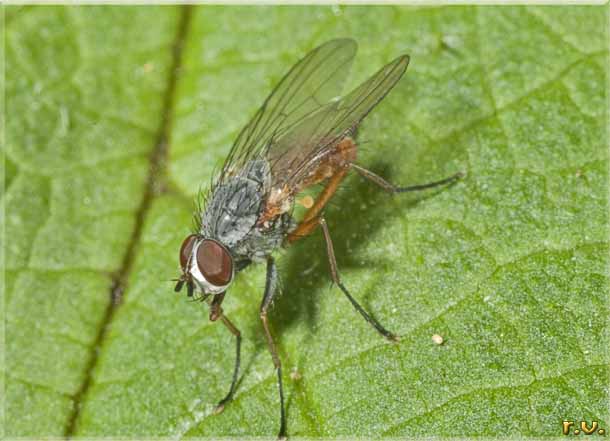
{"points": [[84, 91], [509, 265]]}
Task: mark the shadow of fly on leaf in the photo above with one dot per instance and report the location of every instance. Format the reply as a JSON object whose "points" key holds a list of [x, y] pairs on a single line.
{"points": [[303, 135]]}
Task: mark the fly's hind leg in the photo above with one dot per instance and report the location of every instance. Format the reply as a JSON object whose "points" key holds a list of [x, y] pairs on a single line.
{"points": [[391, 188]]}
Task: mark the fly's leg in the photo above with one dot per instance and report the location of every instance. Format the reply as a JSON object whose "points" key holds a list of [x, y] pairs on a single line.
{"points": [[310, 220], [221, 404], [334, 273], [391, 188], [329, 190], [304, 229], [270, 289]]}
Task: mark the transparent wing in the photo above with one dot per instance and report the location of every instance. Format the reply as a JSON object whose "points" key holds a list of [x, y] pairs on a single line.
{"points": [[305, 89], [297, 152]]}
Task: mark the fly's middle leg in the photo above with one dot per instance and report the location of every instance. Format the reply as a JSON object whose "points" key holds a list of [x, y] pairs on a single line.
{"points": [[304, 229], [334, 273], [270, 290], [309, 226], [391, 188]]}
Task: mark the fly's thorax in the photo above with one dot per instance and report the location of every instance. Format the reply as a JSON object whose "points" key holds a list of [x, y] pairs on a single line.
{"points": [[265, 239], [234, 210], [208, 263], [235, 204]]}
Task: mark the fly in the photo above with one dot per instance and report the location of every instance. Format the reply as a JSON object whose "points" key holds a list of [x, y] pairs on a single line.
{"points": [[302, 135]]}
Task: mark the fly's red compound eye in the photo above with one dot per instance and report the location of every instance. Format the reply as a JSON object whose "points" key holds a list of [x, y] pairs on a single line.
{"points": [[186, 249], [215, 263]]}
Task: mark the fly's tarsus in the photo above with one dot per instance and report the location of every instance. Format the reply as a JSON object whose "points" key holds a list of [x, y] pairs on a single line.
{"points": [[391, 188]]}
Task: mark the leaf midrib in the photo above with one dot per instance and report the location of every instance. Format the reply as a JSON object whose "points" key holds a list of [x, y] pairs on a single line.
{"points": [[156, 172]]}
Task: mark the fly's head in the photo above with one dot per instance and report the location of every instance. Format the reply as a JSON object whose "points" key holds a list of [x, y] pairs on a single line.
{"points": [[205, 264]]}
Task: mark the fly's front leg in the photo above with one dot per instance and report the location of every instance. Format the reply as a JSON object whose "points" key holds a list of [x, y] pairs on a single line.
{"points": [[335, 276], [214, 315], [391, 188], [270, 290]]}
